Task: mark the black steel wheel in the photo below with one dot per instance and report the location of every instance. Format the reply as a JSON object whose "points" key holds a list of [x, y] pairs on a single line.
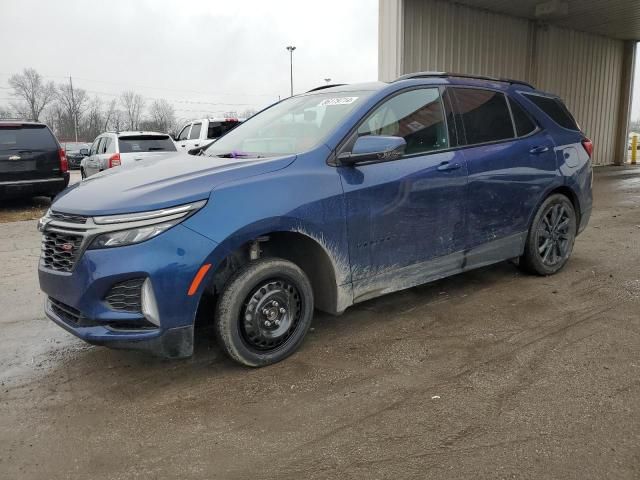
{"points": [[551, 236], [271, 314], [264, 312]]}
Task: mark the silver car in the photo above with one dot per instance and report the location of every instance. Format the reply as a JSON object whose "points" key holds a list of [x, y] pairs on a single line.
{"points": [[114, 149]]}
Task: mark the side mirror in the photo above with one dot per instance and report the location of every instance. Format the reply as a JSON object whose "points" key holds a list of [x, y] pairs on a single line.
{"points": [[84, 152], [374, 149]]}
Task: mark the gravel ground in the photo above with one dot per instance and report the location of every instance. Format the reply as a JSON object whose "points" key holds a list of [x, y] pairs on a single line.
{"points": [[489, 374]]}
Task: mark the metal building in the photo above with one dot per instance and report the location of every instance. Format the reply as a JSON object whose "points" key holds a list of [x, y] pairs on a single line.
{"points": [[582, 50]]}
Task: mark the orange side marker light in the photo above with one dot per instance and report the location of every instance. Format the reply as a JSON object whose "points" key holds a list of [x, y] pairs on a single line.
{"points": [[198, 279]]}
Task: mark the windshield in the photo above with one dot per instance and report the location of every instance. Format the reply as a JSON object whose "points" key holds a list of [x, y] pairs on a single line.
{"points": [[292, 126]]}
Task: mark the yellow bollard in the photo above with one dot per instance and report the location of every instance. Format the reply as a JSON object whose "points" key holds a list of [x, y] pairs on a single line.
{"points": [[634, 149]]}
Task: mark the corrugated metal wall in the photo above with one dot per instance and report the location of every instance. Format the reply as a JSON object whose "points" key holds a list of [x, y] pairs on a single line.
{"points": [[443, 36], [586, 70]]}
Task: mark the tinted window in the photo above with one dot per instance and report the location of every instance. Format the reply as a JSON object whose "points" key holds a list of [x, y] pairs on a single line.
{"points": [[26, 137], [554, 108], [484, 114], [111, 146], [417, 116], [146, 143], [195, 131], [184, 133], [522, 120], [217, 129], [99, 146]]}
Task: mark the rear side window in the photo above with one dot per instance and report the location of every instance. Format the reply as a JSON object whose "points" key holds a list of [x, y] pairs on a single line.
{"points": [[555, 109], [521, 119], [146, 143], [484, 115], [416, 115], [26, 137], [195, 131], [217, 129]]}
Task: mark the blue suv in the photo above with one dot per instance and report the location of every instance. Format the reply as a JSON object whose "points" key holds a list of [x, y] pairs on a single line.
{"points": [[323, 200]]}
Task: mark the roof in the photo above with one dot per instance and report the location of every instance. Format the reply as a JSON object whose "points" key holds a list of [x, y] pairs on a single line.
{"points": [[132, 133], [411, 76]]}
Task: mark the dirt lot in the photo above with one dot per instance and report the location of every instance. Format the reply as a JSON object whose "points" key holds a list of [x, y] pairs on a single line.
{"points": [[490, 374], [31, 208]]}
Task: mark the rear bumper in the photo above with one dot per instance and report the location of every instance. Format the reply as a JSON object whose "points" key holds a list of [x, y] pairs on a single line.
{"points": [[34, 187]]}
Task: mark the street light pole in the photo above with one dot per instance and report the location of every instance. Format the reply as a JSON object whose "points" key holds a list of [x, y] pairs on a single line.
{"points": [[291, 48]]}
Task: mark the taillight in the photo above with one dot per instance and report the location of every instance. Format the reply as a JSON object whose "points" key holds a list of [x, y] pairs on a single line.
{"points": [[114, 160], [588, 146], [64, 163]]}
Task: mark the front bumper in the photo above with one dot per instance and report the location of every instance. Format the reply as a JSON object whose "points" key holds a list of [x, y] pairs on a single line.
{"points": [[169, 261]]}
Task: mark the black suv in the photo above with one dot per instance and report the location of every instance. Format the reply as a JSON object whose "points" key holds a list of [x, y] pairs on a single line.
{"points": [[31, 160]]}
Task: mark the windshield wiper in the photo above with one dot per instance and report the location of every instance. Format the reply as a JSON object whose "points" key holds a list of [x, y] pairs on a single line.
{"points": [[156, 149], [237, 155]]}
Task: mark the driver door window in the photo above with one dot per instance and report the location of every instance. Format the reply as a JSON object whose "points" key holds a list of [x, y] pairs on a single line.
{"points": [[184, 133], [416, 115]]}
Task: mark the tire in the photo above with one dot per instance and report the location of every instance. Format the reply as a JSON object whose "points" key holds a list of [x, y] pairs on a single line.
{"points": [[551, 237], [264, 312]]}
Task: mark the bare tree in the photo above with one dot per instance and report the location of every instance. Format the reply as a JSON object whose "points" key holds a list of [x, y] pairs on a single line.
{"points": [[162, 115], [73, 103], [110, 114], [33, 91], [133, 104], [93, 123]]}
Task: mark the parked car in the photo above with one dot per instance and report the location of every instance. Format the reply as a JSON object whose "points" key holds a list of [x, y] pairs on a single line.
{"points": [[199, 133], [113, 149], [75, 152], [32, 162], [323, 200]]}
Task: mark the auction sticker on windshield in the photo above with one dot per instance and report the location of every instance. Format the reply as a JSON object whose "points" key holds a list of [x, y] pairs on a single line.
{"points": [[337, 101]]}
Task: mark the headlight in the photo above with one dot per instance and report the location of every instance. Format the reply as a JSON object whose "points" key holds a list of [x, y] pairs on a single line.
{"points": [[131, 228], [128, 237]]}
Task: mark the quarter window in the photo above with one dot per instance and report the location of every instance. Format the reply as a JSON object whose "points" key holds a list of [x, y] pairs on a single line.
{"points": [[416, 115], [522, 120], [555, 109], [484, 114]]}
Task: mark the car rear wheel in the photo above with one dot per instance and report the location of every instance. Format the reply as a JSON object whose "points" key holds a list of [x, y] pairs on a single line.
{"points": [[264, 312], [551, 237]]}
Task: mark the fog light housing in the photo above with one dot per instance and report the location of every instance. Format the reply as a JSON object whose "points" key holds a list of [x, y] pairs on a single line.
{"points": [[149, 305]]}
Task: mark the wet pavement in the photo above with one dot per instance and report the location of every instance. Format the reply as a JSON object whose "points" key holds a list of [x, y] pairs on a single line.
{"points": [[489, 374]]}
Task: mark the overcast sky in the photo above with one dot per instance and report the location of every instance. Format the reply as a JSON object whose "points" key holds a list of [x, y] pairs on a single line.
{"points": [[230, 52], [205, 56]]}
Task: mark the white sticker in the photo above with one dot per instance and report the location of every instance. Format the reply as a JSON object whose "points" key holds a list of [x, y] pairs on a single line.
{"points": [[327, 102]]}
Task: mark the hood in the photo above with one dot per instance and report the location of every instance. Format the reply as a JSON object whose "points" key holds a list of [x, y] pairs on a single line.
{"points": [[154, 183]]}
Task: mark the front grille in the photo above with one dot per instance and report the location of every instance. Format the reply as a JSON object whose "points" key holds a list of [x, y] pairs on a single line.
{"points": [[69, 314], [67, 217], [126, 296], [60, 250]]}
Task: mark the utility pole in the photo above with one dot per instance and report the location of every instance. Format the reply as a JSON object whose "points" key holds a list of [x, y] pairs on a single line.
{"points": [[291, 48], [75, 110]]}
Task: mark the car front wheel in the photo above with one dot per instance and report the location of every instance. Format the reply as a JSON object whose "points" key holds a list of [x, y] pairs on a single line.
{"points": [[551, 236], [264, 312]]}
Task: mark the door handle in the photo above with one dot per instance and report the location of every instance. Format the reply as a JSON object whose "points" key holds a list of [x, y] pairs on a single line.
{"points": [[538, 150], [182, 145], [196, 145], [446, 166]]}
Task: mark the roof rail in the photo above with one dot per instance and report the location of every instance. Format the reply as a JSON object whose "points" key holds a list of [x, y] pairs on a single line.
{"points": [[322, 87], [409, 76]]}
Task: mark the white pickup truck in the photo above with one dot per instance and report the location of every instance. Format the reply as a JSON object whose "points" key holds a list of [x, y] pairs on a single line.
{"points": [[198, 133]]}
